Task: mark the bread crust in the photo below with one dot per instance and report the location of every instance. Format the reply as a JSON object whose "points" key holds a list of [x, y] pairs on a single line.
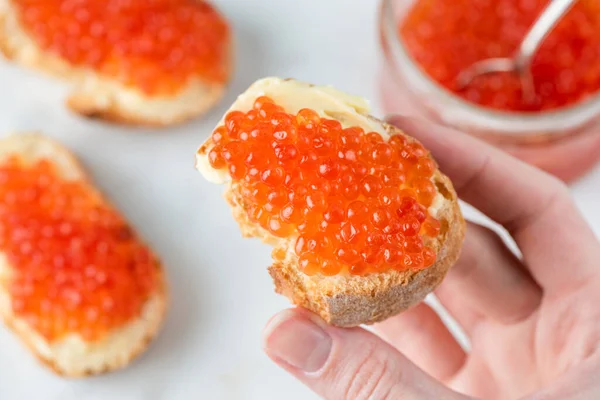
{"points": [[347, 300], [72, 356], [100, 97]]}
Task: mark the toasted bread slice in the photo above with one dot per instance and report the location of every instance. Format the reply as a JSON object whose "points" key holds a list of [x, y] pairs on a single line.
{"points": [[98, 96], [71, 355], [343, 300]]}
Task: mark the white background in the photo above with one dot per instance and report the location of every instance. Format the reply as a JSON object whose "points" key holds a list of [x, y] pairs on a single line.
{"points": [[221, 293]]}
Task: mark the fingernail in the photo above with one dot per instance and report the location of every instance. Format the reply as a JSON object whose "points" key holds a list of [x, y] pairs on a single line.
{"points": [[298, 341]]}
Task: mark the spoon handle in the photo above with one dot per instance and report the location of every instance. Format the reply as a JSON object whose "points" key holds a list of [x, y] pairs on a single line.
{"points": [[540, 30]]}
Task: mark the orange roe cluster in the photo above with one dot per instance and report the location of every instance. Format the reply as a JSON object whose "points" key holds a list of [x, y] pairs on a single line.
{"points": [[77, 267], [353, 201], [447, 36], [153, 45]]}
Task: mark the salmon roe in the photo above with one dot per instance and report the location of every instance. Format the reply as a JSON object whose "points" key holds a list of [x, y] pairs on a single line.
{"points": [[447, 36], [153, 45], [352, 201], [77, 267]]}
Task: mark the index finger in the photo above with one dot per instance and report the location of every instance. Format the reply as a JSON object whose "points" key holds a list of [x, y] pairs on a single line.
{"points": [[536, 208]]}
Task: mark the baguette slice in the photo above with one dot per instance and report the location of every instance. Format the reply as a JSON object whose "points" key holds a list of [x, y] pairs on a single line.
{"points": [[343, 300], [98, 96], [73, 356]]}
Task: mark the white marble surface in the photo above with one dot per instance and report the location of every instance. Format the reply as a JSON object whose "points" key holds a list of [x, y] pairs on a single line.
{"points": [[222, 294]]}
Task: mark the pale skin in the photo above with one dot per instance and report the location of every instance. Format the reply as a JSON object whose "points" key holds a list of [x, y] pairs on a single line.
{"points": [[533, 320]]}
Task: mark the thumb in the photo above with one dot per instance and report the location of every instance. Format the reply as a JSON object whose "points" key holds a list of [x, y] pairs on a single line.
{"points": [[346, 364]]}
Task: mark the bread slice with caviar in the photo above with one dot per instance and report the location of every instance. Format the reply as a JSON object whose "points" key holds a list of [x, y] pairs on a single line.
{"points": [[362, 222], [77, 286], [153, 75]]}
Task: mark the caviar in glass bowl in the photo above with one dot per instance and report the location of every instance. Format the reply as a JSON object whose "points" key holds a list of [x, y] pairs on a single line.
{"points": [[427, 43]]}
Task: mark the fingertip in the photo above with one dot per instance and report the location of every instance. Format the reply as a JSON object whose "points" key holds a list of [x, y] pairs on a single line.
{"points": [[432, 135], [389, 118], [292, 312], [275, 320], [296, 338], [398, 120]]}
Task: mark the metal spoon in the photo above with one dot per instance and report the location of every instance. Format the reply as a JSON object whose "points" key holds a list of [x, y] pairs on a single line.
{"points": [[520, 63]]}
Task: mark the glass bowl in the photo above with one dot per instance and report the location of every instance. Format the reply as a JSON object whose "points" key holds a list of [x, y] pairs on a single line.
{"points": [[564, 142]]}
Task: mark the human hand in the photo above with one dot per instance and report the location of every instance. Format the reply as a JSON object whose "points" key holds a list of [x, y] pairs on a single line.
{"points": [[533, 321]]}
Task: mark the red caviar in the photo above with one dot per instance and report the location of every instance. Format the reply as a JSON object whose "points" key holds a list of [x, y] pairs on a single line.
{"points": [[77, 265], [153, 45], [352, 200], [447, 36]]}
